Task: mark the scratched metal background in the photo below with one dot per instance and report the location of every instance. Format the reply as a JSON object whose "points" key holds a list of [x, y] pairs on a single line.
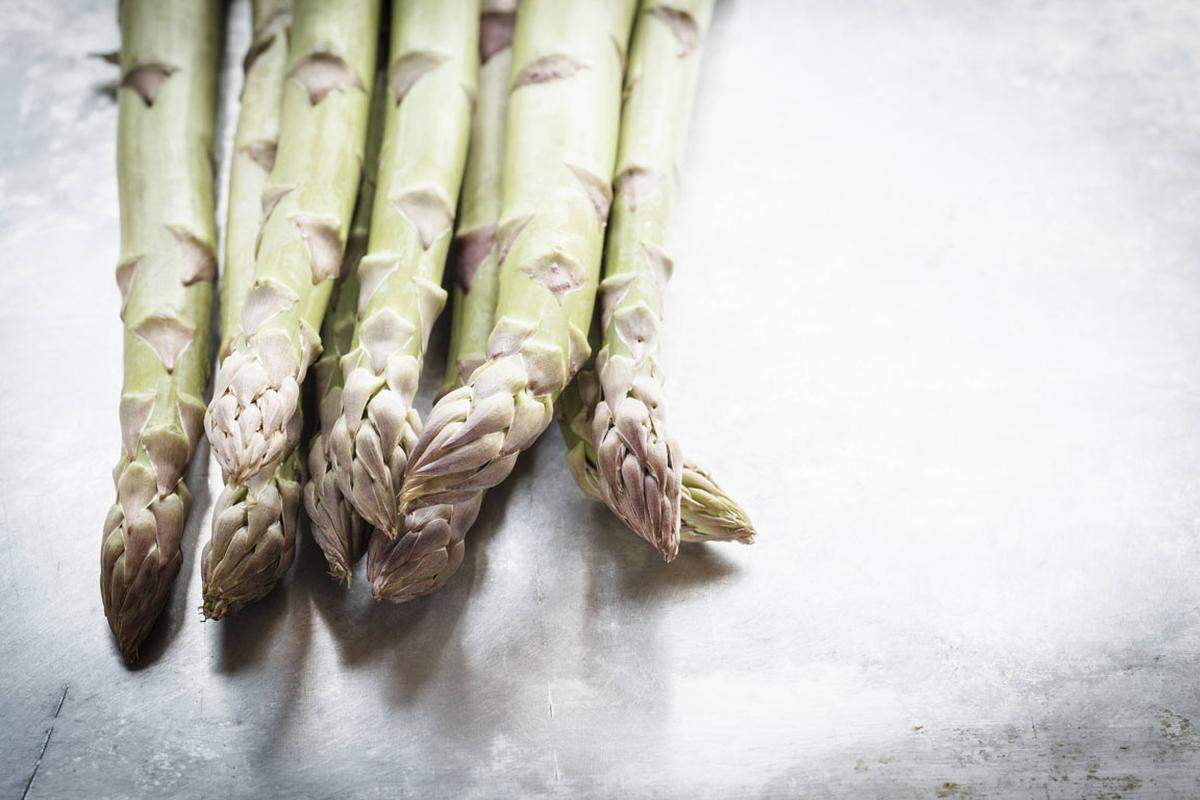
{"points": [[936, 321]]}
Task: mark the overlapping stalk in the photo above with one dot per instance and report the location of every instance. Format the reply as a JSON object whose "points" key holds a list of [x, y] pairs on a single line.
{"points": [[254, 144], [475, 257], [638, 462], [253, 537], [562, 138], [337, 528], [707, 513], [254, 419], [430, 546], [431, 86], [167, 105]]}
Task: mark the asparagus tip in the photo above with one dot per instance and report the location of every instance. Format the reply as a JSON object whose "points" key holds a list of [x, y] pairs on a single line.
{"points": [[340, 573], [129, 649], [215, 608]]}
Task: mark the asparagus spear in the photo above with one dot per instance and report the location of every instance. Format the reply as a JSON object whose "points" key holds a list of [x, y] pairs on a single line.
{"points": [[562, 138], [707, 513], [430, 546], [476, 264], [431, 81], [253, 537], [254, 145], [337, 528], [638, 462], [253, 421], [167, 104]]}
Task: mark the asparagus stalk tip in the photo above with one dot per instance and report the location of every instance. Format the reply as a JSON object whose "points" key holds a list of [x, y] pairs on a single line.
{"points": [[166, 112], [707, 512], [336, 527]]}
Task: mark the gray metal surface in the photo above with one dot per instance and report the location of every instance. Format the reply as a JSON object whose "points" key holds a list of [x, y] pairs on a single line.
{"points": [[936, 321]]}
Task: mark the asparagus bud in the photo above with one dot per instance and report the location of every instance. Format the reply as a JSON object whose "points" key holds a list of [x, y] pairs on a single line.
{"points": [[707, 512]]}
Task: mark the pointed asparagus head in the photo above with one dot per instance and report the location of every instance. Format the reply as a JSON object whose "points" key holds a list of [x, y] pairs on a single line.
{"points": [[428, 551], [253, 539]]}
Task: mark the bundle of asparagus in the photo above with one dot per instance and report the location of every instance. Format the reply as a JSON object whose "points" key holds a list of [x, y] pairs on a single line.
{"points": [[525, 109], [167, 105]]}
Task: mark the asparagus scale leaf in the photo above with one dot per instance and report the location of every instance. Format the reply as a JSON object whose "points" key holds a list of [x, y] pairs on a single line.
{"points": [[166, 111], [430, 545], [563, 114]]}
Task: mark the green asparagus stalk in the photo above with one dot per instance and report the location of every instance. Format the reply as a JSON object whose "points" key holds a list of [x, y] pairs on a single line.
{"points": [[563, 114], [253, 421], [430, 546], [337, 528], [707, 513], [166, 110], [254, 144], [476, 263], [431, 81], [639, 463], [254, 522]]}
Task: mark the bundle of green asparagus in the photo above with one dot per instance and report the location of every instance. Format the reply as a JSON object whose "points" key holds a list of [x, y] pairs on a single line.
{"points": [[343, 226]]}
